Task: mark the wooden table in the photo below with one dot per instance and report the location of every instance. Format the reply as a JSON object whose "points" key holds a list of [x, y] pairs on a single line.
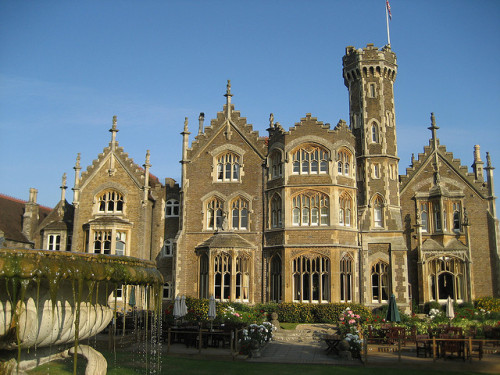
{"points": [[332, 343]]}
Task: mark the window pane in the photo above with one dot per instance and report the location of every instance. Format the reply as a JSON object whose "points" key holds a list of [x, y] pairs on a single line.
{"points": [[244, 218], [314, 216]]}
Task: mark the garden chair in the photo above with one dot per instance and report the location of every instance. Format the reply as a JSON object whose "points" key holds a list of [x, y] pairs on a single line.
{"points": [[452, 346], [423, 345]]}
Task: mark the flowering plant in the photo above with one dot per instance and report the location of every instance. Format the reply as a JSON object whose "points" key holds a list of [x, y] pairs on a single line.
{"points": [[348, 322], [255, 336], [355, 343]]}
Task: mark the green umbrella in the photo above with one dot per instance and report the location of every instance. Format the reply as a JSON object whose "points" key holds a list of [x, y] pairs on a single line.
{"points": [[393, 312], [131, 300]]}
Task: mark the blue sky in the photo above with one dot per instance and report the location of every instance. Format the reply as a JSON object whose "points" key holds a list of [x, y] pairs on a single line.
{"points": [[67, 67]]}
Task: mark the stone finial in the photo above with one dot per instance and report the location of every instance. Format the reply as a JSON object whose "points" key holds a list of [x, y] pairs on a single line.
{"points": [[488, 160], [271, 120], [186, 124], [201, 119], [77, 164], [412, 159], [433, 129], [148, 156], [228, 88], [113, 131]]}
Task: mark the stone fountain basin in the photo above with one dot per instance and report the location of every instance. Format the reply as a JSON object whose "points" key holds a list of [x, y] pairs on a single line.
{"points": [[46, 295]]}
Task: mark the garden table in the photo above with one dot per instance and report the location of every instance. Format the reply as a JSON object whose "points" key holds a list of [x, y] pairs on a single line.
{"points": [[332, 343]]}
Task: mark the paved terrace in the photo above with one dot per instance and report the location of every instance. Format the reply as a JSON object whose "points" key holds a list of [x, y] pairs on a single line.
{"points": [[304, 346]]}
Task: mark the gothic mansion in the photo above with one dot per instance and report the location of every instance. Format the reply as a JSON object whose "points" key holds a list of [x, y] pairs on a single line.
{"points": [[310, 214]]}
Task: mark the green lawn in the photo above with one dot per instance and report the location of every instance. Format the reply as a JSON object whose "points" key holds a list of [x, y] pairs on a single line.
{"points": [[124, 365]]}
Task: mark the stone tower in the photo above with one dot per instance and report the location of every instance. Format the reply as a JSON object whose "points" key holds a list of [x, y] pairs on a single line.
{"points": [[369, 74]]}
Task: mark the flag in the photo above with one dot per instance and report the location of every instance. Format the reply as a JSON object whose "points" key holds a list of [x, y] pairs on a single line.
{"points": [[388, 6]]}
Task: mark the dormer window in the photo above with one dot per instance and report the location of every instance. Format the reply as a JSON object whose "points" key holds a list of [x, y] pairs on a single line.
{"points": [[54, 242], [110, 202]]}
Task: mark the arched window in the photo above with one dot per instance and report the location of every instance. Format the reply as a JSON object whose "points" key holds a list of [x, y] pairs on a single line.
{"points": [[168, 247], [167, 290], [242, 278], [344, 162], [228, 167], [378, 212], [172, 208], [345, 204], [311, 279], [276, 218], [375, 133], [276, 164], [204, 276], [276, 278], [310, 209], [110, 202], [346, 278], [214, 213], [380, 282], [222, 277], [424, 216], [446, 278], [239, 212], [310, 159], [376, 170]]}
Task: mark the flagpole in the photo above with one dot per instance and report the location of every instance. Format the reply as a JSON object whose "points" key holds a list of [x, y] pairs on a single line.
{"points": [[387, 23]]}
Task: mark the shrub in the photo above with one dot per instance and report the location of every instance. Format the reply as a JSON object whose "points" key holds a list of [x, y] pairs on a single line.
{"points": [[488, 304]]}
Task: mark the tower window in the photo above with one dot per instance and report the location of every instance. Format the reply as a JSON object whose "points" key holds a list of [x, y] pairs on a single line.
{"points": [[375, 133], [372, 90]]}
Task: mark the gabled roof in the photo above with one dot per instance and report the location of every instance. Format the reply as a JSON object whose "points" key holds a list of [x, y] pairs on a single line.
{"points": [[11, 217], [227, 121], [135, 171], [61, 217], [435, 151]]}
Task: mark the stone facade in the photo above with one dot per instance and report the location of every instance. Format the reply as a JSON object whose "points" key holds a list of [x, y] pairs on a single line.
{"points": [[311, 214]]}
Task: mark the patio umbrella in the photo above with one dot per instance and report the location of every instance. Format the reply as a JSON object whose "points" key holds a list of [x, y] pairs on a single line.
{"points": [[211, 308], [177, 308], [449, 308], [393, 312], [184, 309], [131, 300]]}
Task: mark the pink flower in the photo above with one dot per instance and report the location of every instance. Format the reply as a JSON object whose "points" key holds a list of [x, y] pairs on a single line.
{"points": [[352, 321], [341, 318]]}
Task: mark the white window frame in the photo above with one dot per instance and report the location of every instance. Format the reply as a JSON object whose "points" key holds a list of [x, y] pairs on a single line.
{"points": [[172, 208], [52, 243]]}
